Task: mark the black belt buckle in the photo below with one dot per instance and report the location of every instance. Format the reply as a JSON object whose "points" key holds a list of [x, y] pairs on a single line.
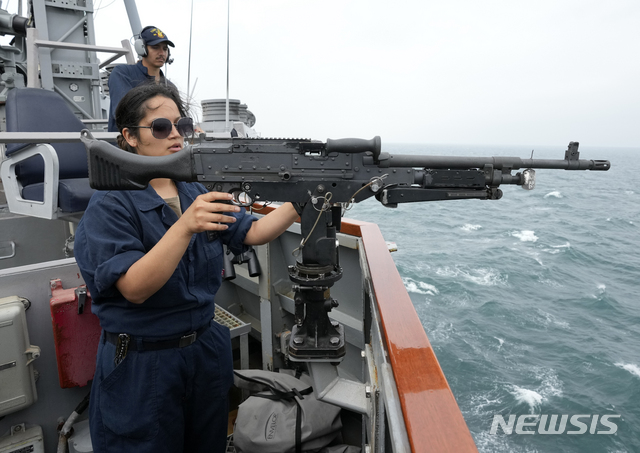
{"points": [[186, 340]]}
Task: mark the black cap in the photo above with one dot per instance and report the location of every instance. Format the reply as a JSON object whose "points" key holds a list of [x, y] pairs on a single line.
{"points": [[152, 36]]}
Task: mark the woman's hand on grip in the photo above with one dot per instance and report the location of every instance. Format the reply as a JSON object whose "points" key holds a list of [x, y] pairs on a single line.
{"points": [[206, 213]]}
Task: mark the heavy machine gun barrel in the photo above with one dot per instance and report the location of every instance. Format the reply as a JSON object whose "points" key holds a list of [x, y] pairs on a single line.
{"points": [[512, 163]]}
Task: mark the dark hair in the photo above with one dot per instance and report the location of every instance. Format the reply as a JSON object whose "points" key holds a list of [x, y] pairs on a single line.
{"points": [[132, 108]]}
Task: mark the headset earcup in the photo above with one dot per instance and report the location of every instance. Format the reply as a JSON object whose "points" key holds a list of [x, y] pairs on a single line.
{"points": [[140, 47]]}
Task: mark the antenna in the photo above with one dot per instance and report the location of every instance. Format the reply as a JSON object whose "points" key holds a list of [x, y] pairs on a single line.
{"points": [[189, 65], [193, 89], [226, 109]]}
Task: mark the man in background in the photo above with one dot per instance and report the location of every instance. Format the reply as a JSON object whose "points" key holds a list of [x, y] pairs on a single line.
{"points": [[152, 46]]}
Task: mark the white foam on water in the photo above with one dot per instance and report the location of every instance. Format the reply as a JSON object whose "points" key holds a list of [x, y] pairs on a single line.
{"points": [[480, 276], [529, 397], [491, 443], [601, 288], [500, 342], [418, 287], [554, 194], [630, 367], [551, 319], [441, 332], [469, 227], [550, 283], [485, 402], [525, 235], [533, 254], [554, 249], [550, 386]]}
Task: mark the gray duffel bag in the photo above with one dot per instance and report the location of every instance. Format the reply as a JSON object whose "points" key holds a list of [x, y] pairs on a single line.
{"points": [[284, 416]]}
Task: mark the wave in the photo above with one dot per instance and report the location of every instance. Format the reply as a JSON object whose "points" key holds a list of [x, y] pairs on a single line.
{"points": [[551, 319], [480, 276], [601, 290], [419, 287], [525, 235], [441, 332], [490, 443], [469, 227], [530, 397], [630, 367], [555, 249], [554, 194], [533, 254], [550, 386]]}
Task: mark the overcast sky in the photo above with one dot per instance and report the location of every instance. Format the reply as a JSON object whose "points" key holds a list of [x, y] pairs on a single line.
{"points": [[503, 72]]}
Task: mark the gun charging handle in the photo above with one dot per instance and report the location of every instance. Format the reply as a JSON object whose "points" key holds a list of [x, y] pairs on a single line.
{"points": [[355, 145]]}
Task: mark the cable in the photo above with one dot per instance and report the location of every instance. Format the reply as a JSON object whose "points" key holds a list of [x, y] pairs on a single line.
{"points": [[350, 203], [326, 198], [252, 208]]}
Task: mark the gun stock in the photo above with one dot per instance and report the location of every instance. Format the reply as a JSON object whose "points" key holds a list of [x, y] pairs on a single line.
{"points": [[112, 168]]}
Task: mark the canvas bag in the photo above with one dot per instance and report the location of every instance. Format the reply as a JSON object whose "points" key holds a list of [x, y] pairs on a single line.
{"points": [[284, 416]]}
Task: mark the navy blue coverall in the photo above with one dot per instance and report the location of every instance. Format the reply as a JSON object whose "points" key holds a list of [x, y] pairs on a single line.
{"points": [[172, 399]]}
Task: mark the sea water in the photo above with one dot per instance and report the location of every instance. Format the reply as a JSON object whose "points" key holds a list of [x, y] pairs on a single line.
{"points": [[531, 302]]}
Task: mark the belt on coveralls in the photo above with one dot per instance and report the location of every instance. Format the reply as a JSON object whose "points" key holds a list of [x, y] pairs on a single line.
{"points": [[149, 345]]}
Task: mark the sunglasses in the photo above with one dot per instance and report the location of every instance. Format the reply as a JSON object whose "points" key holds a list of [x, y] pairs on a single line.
{"points": [[161, 127]]}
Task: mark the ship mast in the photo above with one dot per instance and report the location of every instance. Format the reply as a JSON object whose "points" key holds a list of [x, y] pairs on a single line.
{"points": [[134, 17], [226, 109]]}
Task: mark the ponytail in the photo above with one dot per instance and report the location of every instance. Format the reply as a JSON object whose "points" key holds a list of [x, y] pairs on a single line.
{"points": [[123, 144]]}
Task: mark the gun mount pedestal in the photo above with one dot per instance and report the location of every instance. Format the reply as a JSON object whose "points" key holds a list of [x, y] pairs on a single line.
{"points": [[315, 337]]}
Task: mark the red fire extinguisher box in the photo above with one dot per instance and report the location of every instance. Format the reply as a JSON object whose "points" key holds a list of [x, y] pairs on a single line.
{"points": [[76, 333]]}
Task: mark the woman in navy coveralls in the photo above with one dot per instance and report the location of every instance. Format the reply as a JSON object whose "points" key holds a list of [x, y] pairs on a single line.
{"points": [[163, 369]]}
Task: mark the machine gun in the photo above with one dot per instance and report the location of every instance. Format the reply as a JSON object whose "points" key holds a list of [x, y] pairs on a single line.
{"points": [[318, 178]]}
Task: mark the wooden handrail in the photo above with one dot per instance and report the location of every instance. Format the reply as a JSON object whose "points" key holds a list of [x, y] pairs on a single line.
{"points": [[431, 414]]}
